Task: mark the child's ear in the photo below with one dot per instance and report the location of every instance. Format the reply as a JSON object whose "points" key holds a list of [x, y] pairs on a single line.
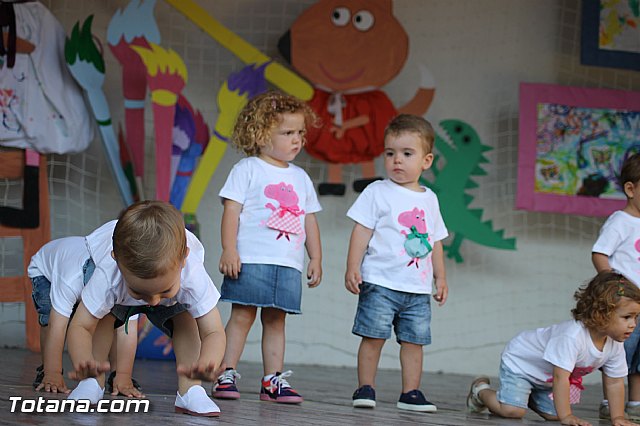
{"points": [[628, 188], [113, 255], [428, 161]]}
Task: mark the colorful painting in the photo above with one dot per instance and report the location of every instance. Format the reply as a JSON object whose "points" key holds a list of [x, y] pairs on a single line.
{"points": [[611, 33], [573, 142]]}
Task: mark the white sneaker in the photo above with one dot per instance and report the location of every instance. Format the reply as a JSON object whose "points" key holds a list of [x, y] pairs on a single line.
{"points": [[196, 402], [87, 389]]}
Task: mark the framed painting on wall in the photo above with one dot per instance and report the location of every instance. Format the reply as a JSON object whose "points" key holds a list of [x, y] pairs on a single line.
{"points": [[572, 144], [611, 33]]}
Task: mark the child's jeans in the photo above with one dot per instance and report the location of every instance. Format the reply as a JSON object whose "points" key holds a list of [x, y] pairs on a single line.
{"points": [[380, 309]]}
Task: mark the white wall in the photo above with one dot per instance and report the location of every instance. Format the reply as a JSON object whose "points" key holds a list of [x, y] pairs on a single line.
{"points": [[478, 52]]}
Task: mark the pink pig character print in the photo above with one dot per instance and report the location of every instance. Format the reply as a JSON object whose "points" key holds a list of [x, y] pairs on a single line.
{"points": [[286, 217], [575, 384], [417, 243]]}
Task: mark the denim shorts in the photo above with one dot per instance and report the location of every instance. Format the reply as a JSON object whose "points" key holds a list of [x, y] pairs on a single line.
{"points": [[41, 292], [265, 286], [380, 308], [159, 315], [517, 391], [632, 350]]}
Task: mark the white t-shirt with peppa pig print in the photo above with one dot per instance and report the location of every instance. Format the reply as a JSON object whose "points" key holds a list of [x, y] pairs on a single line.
{"points": [[620, 240], [405, 224], [275, 201]]}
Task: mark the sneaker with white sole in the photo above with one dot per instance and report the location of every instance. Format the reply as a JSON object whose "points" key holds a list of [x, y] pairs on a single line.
{"points": [[364, 397], [415, 401], [277, 389], [87, 389], [196, 402], [225, 386], [603, 411]]}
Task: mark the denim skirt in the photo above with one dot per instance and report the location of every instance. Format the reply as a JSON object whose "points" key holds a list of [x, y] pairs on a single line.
{"points": [[265, 286]]}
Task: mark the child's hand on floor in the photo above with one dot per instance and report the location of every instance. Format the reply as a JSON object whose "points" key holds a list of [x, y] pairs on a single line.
{"points": [[91, 368], [53, 383], [621, 421], [122, 384], [207, 372], [574, 421]]}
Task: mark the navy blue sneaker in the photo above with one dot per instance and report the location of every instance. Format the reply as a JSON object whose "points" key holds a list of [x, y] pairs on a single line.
{"points": [[415, 401], [364, 397]]}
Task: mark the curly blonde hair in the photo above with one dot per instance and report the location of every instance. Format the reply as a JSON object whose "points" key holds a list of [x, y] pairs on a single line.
{"points": [[150, 239], [597, 300], [261, 114]]}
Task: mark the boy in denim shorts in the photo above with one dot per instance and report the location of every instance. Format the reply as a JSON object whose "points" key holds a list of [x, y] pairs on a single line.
{"points": [[59, 271], [395, 254]]}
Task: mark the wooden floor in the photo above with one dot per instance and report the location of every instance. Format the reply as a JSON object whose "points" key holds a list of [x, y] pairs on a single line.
{"points": [[327, 392]]}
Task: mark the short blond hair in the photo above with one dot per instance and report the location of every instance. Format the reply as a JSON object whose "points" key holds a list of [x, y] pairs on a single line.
{"points": [[150, 239], [409, 123], [261, 114]]}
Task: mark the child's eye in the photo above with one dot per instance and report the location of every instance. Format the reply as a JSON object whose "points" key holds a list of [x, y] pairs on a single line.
{"points": [[389, 154]]}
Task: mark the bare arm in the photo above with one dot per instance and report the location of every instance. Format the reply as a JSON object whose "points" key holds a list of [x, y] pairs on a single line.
{"points": [[213, 342], [561, 398], [230, 264], [126, 345], [615, 393], [80, 338], [314, 250], [600, 261], [54, 346], [439, 274], [358, 244]]}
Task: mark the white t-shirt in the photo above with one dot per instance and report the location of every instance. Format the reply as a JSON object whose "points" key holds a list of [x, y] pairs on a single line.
{"points": [[275, 201], [567, 345], [619, 239], [406, 224], [107, 288], [61, 262]]}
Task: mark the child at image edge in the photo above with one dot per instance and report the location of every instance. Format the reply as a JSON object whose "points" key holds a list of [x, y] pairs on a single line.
{"points": [[542, 369], [147, 262], [395, 253], [59, 271], [268, 218], [618, 248]]}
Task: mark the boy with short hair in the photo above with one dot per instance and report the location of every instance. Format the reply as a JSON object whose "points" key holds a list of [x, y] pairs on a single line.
{"points": [[147, 262], [396, 243]]}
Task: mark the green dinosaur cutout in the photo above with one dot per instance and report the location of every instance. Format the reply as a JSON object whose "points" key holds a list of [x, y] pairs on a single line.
{"points": [[464, 159]]}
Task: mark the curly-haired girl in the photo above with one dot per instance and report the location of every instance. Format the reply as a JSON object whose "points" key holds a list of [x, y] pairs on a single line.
{"points": [[542, 369], [269, 216]]}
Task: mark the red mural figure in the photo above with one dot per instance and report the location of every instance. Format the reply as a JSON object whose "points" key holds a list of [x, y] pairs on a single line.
{"points": [[348, 49]]}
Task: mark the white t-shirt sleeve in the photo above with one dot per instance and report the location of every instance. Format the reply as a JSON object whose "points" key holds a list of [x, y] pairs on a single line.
{"points": [[609, 238], [236, 186], [616, 364], [64, 296], [440, 230], [364, 210], [97, 295], [312, 204]]}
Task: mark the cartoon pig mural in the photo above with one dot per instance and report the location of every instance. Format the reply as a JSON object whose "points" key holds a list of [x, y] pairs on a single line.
{"points": [[348, 49]]}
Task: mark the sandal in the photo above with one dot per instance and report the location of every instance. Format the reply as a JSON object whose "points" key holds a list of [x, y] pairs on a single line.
{"points": [[474, 403]]}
